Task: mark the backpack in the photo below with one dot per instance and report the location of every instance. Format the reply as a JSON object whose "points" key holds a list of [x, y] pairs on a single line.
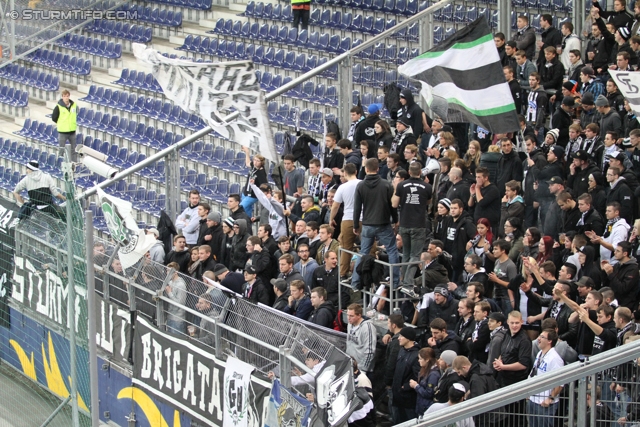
{"points": [[340, 322], [392, 99]]}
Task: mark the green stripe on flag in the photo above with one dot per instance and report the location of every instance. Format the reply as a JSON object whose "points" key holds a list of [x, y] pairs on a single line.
{"points": [[459, 46], [488, 112]]}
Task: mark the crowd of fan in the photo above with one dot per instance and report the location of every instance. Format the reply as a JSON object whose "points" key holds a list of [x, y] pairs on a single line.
{"points": [[523, 245]]}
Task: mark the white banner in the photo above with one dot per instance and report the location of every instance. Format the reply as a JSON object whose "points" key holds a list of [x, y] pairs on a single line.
{"points": [[237, 379], [123, 227], [629, 85], [213, 90]]}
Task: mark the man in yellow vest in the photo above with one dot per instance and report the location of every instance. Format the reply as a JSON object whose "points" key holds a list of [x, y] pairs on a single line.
{"points": [[65, 115]]}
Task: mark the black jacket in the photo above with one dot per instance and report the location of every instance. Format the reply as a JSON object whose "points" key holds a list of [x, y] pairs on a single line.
{"points": [[624, 283], [550, 37], [258, 293], [540, 161], [208, 265], [620, 19], [373, 199], [515, 348], [489, 206], [578, 183], [329, 281], [450, 342], [603, 47], [407, 368], [282, 301], [570, 219], [239, 254], [448, 378], [365, 129], [182, 258], [477, 349], [562, 120], [391, 357], [215, 242], [551, 74], [447, 312], [566, 331], [324, 315], [460, 190], [241, 214], [264, 265], [412, 113], [622, 194], [509, 168], [593, 221], [549, 171], [457, 235]]}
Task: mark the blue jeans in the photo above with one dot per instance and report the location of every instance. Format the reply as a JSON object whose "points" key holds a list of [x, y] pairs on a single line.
{"points": [[247, 203], [385, 235], [176, 327], [393, 411], [412, 244], [540, 416], [504, 304]]}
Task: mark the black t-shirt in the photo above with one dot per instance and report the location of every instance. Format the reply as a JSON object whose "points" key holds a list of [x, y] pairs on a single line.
{"points": [[586, 336], [606, 340], [414, 195], [259, 176]]}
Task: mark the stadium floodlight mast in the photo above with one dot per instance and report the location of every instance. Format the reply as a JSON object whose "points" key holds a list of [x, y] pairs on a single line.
{"points": [[94, 161]]}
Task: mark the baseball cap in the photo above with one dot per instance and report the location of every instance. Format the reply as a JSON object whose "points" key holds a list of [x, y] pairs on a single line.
{"points": [[586, 282], [618, 155], [250, 269], [374, 108], [327, 171], [281, 284], [154, 231], [581, 154], [569, 101], [556, 180]]}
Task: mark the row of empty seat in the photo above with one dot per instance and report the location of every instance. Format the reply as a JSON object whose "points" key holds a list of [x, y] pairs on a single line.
{"points": [[138, 80], [59, 61], [91, 46], [41, 132], [153, 108], [14, 97], [133, 32], [29, 77], [190, 4], [154, 16], [282, 34]]}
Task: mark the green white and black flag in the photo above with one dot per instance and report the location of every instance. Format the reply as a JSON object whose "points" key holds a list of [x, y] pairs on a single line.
{"points": [[462, 80], [123, 227]]}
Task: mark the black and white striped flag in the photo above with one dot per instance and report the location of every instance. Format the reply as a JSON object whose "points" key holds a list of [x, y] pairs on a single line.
{"points": [[462, 80]]}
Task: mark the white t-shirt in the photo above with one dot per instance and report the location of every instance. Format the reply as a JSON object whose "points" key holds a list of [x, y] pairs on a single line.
{"points": [[545, 364], [346, 194]]}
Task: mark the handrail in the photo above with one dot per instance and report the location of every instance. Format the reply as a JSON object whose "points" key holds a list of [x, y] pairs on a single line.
{"points": [[270, 96], [531, 386]]}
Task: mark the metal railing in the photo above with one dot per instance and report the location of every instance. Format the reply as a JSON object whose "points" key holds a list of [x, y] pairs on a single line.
{"points": [[578, 379]]}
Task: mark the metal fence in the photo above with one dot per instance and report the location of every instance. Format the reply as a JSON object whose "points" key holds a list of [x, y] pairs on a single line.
{"points": [[258, 335], [613, 374]]}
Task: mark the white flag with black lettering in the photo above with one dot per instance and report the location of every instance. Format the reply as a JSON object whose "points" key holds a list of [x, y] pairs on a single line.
{"points": [[214, 90], [629, 85], [237, 381], [123, 227]]}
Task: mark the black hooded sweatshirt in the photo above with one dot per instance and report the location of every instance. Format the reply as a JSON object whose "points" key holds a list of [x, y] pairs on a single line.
{"points": [[324, 315], [373, 199], [412, 113], [509, 168]]}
